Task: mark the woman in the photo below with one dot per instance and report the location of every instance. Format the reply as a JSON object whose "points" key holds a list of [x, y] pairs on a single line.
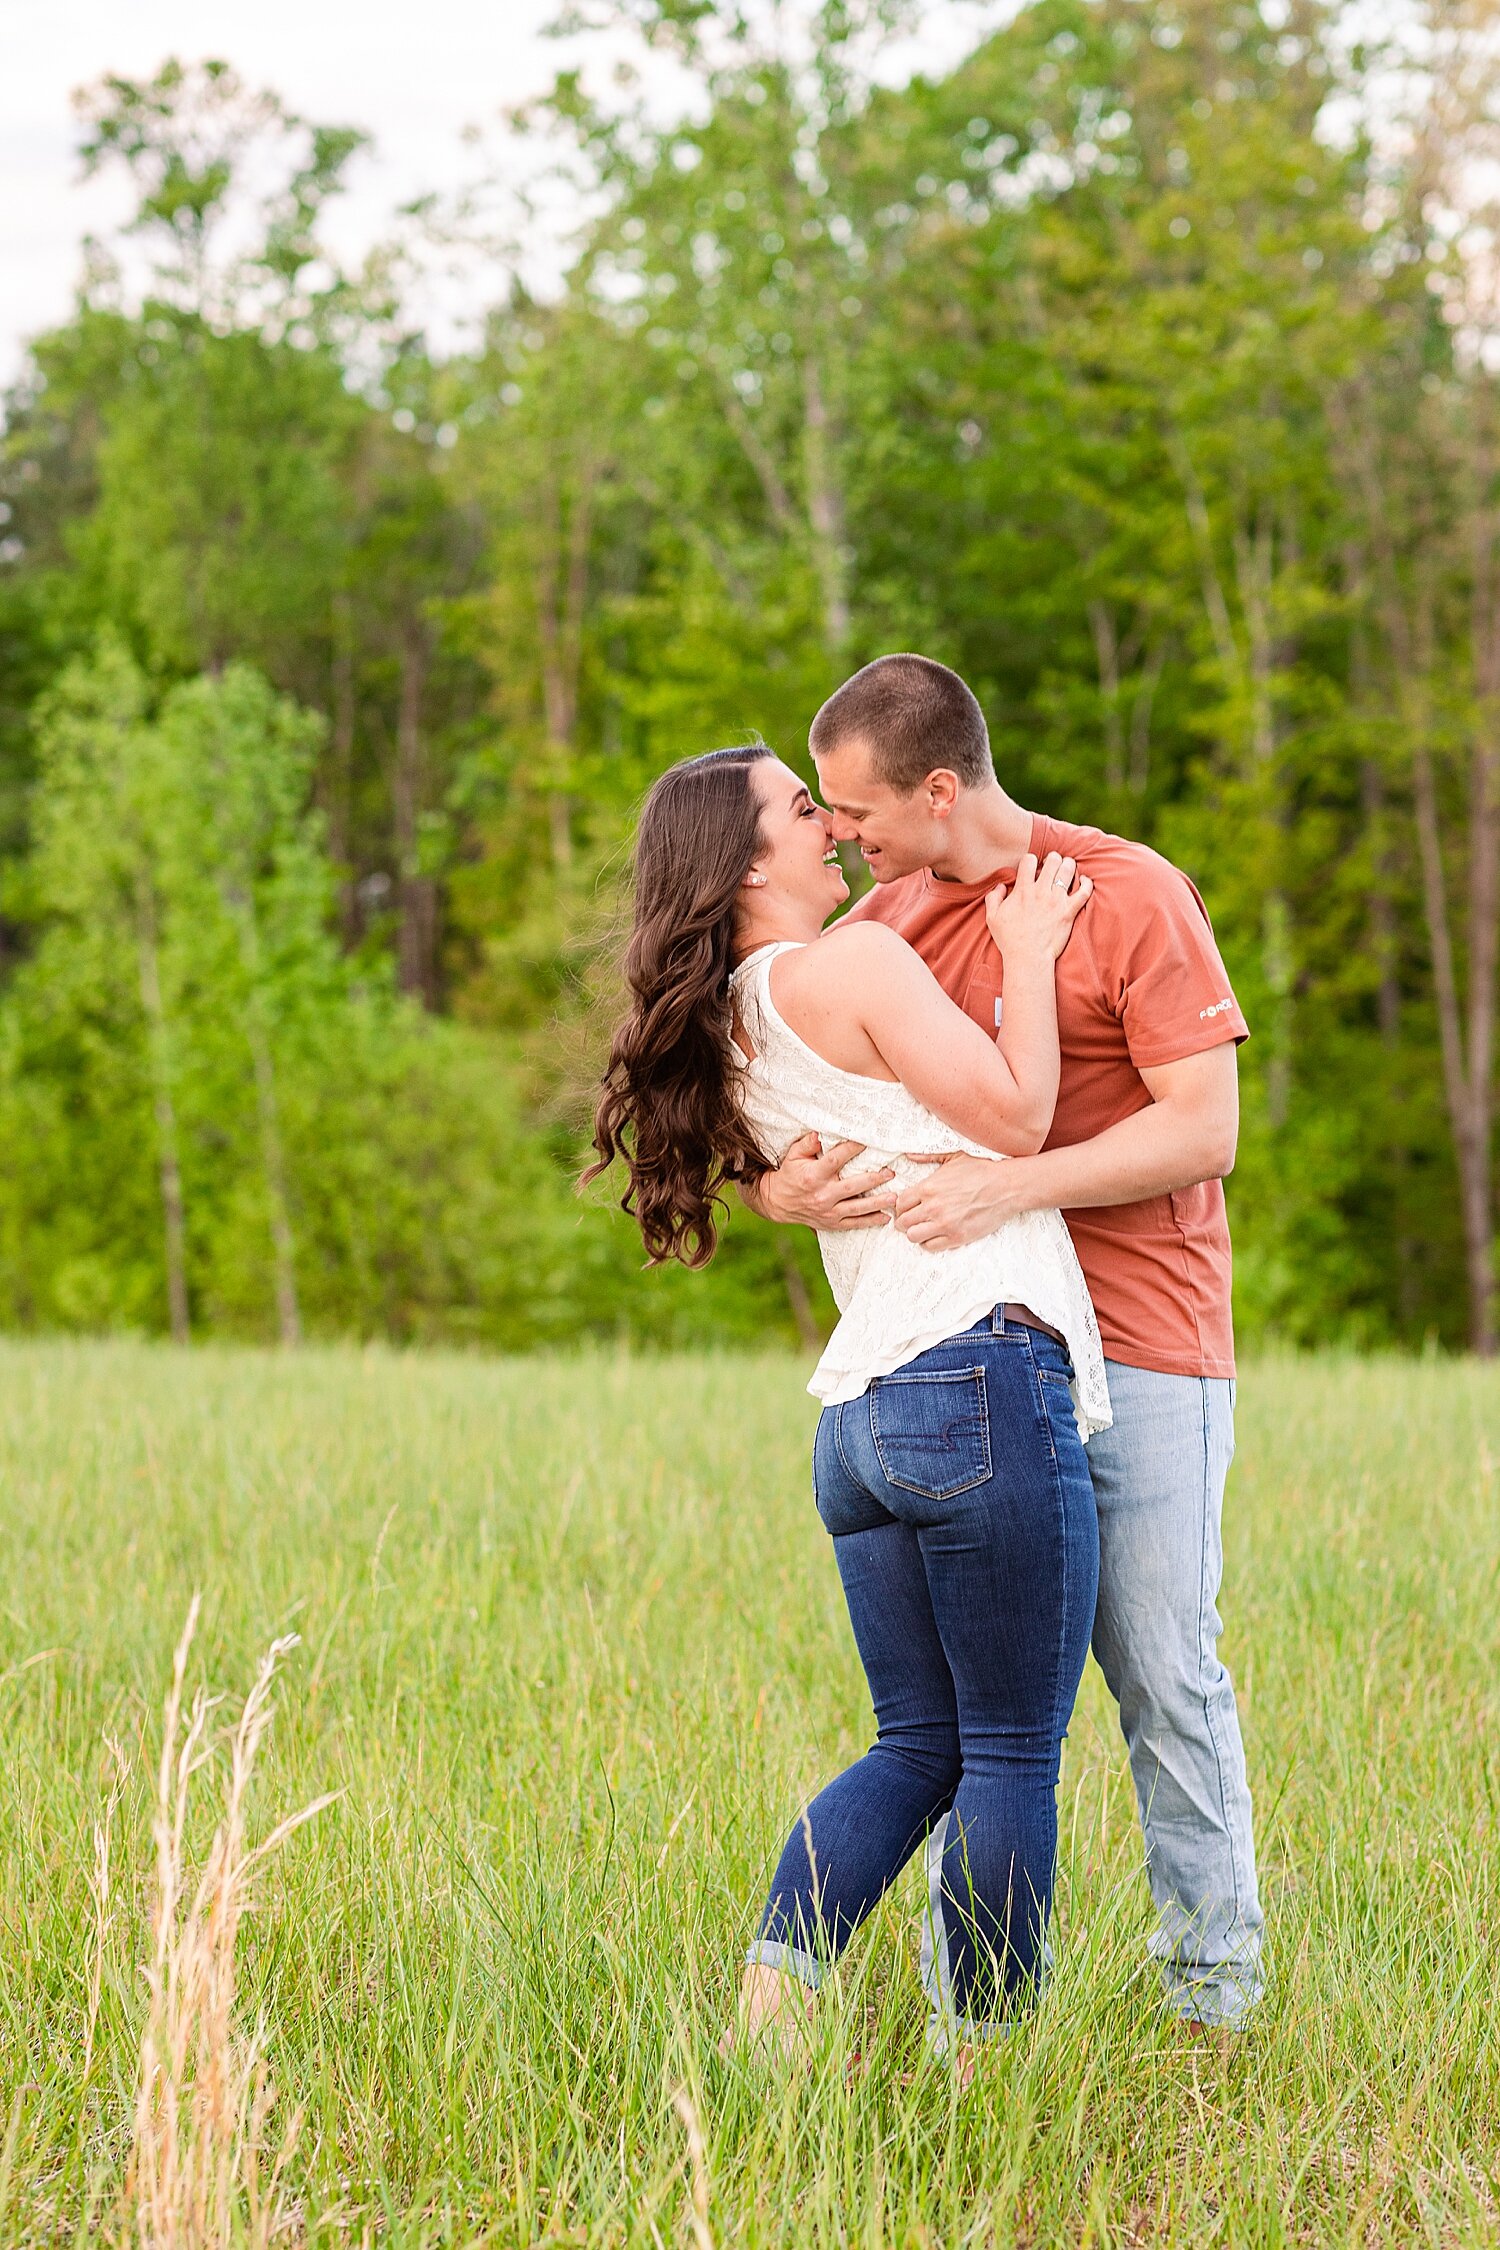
{"points": [[957, 1387]]}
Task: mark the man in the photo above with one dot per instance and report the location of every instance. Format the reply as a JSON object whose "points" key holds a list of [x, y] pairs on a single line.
{"points": [[1145, 1129]]}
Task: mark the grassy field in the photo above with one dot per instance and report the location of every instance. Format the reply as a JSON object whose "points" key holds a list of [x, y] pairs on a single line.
{"points": [[571, 1648]]}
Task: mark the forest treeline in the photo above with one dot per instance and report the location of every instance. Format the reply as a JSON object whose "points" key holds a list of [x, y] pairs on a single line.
{"points": [[1142, 366]]}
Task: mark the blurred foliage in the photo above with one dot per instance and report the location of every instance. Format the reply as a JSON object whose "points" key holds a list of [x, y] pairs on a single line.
{"points": [[1140, 366]]}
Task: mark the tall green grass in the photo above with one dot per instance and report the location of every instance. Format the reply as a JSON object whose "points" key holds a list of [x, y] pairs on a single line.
{"points": [[572, 1647]]}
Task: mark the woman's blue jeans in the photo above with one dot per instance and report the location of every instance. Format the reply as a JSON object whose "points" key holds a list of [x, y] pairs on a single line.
{"points": [[963, 1520]]}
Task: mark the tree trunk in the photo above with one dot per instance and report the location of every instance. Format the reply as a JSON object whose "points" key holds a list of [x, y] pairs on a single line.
{"points": [[268, 1111], [560, 821], [283, 1246], [1483, 934], [1254, 678], [1408, 617], [1470, 1102], [1277, 966], [561, 598], [1107, 656], [1255, 565], [169, 1169], [1148, 681], [821, 523], [341, 766], [416, 901], [825, 511], [778, 499], [1384, 944], [1483, 942]]}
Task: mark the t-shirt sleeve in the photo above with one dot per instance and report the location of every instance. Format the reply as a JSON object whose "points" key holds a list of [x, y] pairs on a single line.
{"points": [[1162, 972]]}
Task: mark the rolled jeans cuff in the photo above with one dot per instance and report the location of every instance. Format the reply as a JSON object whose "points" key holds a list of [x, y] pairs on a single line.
{"points": [[792, 1960], [1220, 1999], [946, 2033], [946, 2028]]}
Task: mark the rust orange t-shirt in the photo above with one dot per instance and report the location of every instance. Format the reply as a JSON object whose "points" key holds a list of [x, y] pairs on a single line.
{"points": [[1139, 984]]}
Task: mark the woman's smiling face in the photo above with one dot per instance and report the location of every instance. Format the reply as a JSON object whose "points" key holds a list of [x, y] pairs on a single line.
{"points": [[798, 857]]}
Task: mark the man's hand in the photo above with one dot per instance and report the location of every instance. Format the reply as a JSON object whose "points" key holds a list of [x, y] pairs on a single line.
{"points": [[805, 1189], [1185, 1133], [962, 1199]]}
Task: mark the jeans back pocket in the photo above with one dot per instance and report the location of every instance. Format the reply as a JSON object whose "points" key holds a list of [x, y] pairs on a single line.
{"points": [[932, 1432]]}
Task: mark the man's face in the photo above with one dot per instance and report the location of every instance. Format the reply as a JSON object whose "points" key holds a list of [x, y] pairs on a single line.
{"points": [[896, 834]]}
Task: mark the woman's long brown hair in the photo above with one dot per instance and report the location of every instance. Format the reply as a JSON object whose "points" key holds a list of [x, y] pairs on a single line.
{"points": [[669, 1109]]}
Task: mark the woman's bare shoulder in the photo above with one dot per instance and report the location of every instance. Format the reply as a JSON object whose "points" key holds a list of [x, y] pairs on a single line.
{"points": [[851, 954], [848, 942]]}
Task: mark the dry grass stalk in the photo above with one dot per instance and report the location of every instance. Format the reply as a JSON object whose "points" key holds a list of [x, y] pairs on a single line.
{"points": [[100, 1890], [687, 2112], [197, 2174]]}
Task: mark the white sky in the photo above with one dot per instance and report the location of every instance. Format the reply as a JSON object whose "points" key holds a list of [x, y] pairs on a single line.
{"points": [[414, 76]]}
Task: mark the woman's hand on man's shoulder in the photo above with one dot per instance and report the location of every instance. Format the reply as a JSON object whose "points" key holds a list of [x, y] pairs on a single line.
{"points": [[1035, 914]]}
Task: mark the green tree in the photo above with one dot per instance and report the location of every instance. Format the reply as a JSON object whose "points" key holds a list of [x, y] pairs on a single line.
{"points": [[199, 145], [238, 850], [1141, 364], [96, 877], [1416, 435], [178, 844], [248, 469]]}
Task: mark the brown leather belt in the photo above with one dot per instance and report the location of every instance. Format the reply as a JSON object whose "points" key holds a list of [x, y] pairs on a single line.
{"points": [[1029, 1320]]}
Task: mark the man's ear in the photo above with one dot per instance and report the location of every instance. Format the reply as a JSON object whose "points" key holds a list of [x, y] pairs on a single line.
{"points": [[942, 792]]}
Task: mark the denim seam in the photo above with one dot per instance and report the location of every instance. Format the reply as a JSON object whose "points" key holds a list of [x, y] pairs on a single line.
{"points": [[1058, 1729], [838, 1443], [1062, 1532], [1209, 1723], [1041, 1400]]}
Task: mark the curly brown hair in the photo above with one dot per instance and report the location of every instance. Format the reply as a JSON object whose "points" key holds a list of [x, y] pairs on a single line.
{"points": [[669, 1109]]}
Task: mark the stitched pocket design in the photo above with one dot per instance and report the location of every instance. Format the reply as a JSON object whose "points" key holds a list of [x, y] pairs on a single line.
{"points": [[932, 1432]]}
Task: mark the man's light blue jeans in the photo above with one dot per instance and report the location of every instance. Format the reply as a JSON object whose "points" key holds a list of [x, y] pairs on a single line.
{"points": [[1159, 1478]]}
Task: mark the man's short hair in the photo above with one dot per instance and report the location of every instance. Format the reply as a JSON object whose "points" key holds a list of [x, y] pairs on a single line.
{"points": [[915, 715]]}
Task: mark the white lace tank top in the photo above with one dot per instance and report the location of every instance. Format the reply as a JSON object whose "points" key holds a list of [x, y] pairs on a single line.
{"points": [[896, 1299]]}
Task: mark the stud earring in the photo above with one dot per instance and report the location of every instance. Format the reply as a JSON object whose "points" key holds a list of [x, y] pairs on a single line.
{"points": [[757, 882]]}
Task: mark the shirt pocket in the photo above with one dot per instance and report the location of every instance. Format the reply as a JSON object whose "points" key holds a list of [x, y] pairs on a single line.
{"points": [[983, 1000], [932, 1432]]}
